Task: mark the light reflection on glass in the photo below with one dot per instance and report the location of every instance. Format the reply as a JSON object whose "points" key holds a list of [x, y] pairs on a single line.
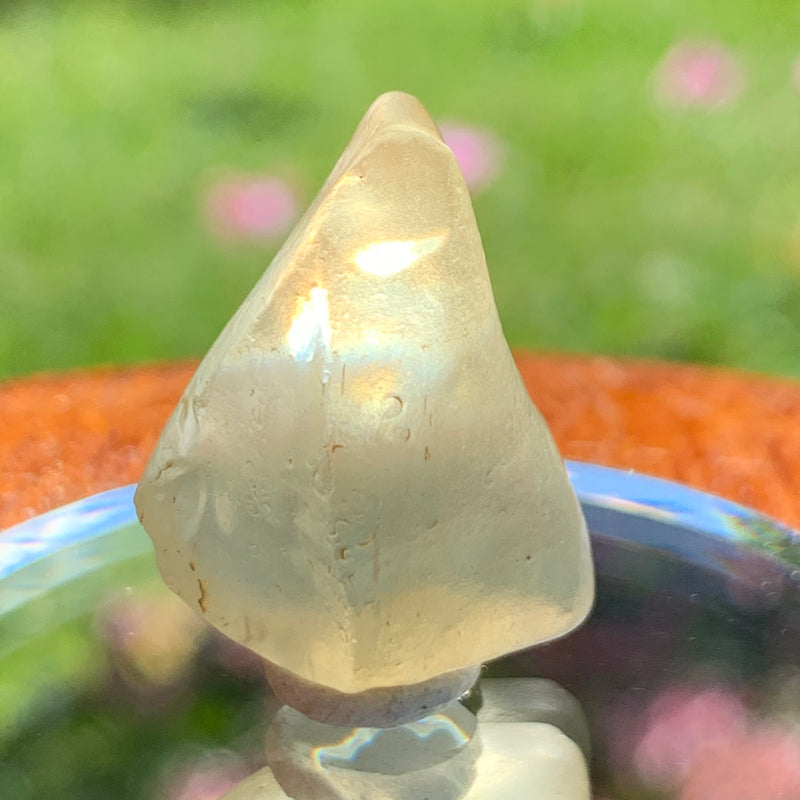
{"points": [[691, 689], [383, 259], [346, 752], [311, 328]]}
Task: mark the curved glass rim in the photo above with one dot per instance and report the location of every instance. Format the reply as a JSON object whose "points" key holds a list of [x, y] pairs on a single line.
{"points": [[618, 505]]}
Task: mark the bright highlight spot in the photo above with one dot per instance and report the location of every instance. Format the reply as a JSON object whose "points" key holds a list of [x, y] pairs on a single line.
{"points": [[388, 258], [310, 329]]}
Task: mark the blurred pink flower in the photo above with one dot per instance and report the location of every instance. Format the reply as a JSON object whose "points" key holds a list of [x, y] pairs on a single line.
{"points": [[152, 640], [205, 786], [698, 74], [478, 152], [680, 724], [250, 207], [208, 779], [765, 765]]}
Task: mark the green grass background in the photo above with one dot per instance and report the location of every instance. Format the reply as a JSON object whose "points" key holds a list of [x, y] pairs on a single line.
{"points": [[617, 226]]}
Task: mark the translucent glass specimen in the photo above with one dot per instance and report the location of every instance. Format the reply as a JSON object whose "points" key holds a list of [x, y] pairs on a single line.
{"points": [[356, 484], [445, 757], [535, 700], [525, 760], [431, 757], [380, 707]]}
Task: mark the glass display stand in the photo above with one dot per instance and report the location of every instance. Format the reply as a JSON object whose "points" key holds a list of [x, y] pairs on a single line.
{"points": [[689, 662]]}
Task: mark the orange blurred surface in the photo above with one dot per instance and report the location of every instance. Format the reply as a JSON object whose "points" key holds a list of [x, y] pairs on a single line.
{"points": [[66, 436]]}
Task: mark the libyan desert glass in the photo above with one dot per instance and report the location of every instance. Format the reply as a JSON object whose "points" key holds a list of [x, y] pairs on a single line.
{"points": [[357, 454], [448, 756], [110, 688]]}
